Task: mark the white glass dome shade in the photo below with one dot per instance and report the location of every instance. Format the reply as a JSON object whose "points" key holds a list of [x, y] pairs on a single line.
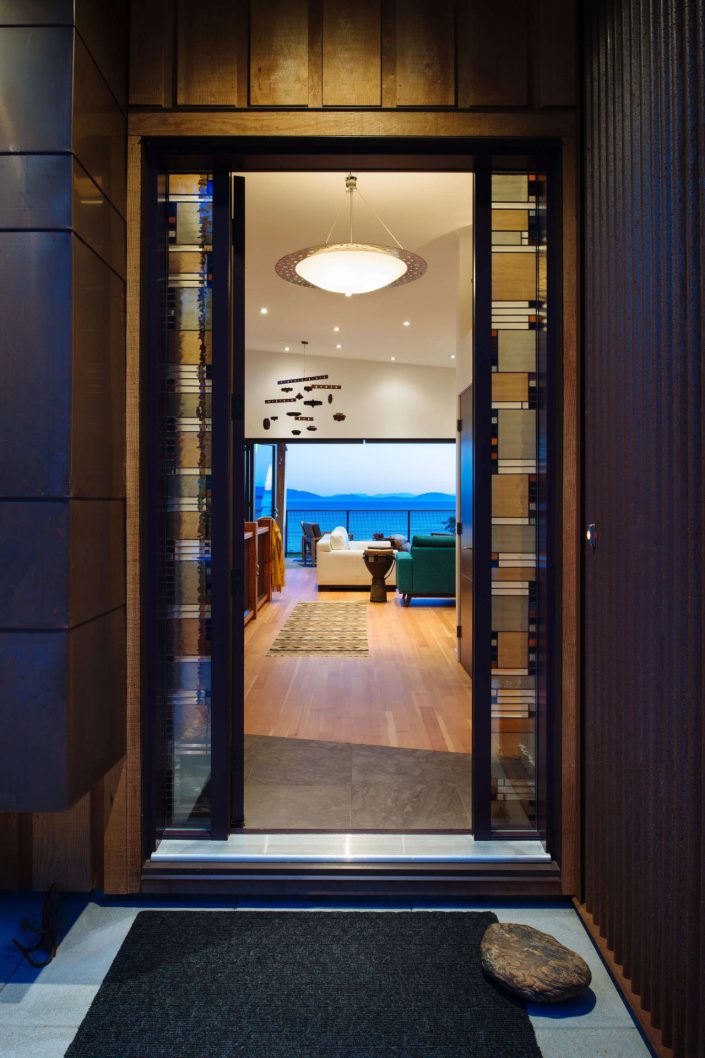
{"points": [[352, 268]]}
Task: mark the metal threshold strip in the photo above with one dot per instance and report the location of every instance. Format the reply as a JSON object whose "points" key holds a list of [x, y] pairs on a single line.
{"points": [[402, 849]]}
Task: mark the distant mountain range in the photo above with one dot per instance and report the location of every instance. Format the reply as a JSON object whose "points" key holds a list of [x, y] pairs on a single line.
{"points": [[343, 498]]}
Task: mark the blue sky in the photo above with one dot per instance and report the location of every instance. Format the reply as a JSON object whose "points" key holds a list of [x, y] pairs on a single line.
{"points": [[371, 468]]}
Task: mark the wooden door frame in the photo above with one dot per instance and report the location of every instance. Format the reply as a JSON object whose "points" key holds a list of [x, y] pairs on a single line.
{"points": [[498, 133]]}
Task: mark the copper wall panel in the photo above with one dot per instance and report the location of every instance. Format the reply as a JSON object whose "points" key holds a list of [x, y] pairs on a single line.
{"points": [[34, 589], [105, 35], [35, 88], [36, 13], [33, 758], [63, 712], [352, 53], [33, 191], [36, 361], [644, 237], [98, 378], [95, 722], [97, 558], [97, 221], [99, 138], [61, 416]]}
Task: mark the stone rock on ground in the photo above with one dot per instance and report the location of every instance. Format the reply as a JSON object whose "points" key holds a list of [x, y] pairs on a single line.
{"points": [[532, 964]]}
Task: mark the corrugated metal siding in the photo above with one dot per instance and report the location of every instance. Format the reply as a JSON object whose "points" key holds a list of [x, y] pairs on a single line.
{"points": [[644, 217]]}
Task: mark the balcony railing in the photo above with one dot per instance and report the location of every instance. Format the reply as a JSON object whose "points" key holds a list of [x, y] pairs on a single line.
{"points": [[364, 523]]}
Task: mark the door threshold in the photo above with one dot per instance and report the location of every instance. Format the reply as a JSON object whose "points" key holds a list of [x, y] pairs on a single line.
{"points": [[348, 848]]}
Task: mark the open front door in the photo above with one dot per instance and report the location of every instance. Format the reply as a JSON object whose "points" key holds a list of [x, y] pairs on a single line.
{"points": [[464, 542], [235, 449]]}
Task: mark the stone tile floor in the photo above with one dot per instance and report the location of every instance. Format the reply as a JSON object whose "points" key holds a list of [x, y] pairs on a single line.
{"points": [[304, 784], [40, 1010]]}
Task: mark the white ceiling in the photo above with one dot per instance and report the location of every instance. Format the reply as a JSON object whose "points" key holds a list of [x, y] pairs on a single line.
{"points": [[288, 211]]}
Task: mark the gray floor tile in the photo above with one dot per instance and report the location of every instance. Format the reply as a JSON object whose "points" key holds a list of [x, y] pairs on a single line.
{"points": [[406, 804], [38, 1003], [272, 805], [382, 763], [300, 762], [32, 1041], [567, 1042], [85, 952], [604, 1008]]}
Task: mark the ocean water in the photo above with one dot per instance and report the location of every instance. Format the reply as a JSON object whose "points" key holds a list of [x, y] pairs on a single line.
{"points": [[363, 516]]}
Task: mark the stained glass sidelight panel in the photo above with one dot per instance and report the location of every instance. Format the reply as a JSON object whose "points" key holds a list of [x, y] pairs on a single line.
{"points": [[184, 500], [518, 321]]}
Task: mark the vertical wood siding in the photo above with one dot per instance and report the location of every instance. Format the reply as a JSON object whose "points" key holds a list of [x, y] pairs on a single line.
{"points": [[644, 216], [374, 53]]}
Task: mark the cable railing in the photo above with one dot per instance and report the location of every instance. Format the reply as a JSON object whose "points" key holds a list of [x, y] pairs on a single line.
{"points": [[363, 523]]}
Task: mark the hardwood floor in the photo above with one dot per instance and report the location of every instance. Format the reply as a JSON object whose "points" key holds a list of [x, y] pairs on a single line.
{"points": [[410, 692]]}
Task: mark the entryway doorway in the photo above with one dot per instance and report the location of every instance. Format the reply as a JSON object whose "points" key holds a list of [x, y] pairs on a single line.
{"points": [[357, 715], [199, 389]]}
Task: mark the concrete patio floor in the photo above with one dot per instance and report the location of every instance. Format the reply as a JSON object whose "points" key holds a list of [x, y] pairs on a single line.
{"points": [[40, 1010]]}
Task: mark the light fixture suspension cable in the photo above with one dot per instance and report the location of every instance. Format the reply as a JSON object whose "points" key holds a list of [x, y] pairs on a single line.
{"points": [[375, 214], [351, 185]]}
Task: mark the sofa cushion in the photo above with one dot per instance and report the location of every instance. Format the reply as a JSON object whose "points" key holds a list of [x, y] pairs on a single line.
{"points": [[339, 539], [433, 541]]}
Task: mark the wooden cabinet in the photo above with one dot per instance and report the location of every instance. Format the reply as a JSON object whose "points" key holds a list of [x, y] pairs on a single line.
{"points": [[258, 566]]}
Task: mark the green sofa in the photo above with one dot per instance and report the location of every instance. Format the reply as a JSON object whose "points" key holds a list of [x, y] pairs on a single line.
{"points": [[428, 569]]}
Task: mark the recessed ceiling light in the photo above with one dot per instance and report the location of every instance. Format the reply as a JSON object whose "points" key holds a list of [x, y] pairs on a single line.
{"points": [[336, 328], [286, 348], [407, 323], [338, 346], [263, 311], [392, 357], [452, 356]]}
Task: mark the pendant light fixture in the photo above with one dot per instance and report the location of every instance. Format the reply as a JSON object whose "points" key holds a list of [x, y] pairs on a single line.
{"points": [[351, 267]]}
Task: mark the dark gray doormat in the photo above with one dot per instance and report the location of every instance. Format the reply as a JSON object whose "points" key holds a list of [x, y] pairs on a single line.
{"points": [[300, 984]]}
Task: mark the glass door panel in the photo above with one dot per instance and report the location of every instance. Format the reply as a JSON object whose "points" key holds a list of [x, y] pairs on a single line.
{"points": [[181, 506], [519, 321]]}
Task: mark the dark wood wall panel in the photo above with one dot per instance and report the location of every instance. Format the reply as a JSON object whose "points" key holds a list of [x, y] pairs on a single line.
{"points": [[151, 53], [206, 53], [425, 53], [554, 47], [644, 488], [327, 53], [352, 53], [279, 53], [493, 53]]}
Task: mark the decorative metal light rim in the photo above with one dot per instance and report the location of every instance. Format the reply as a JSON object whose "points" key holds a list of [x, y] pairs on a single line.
{"points": [[415, 265]]}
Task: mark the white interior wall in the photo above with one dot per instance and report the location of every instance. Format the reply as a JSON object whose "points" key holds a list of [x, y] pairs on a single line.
{"points": [[379, 400]]}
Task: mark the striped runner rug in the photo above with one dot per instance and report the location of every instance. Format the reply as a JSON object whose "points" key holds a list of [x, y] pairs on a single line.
{"points": [[324, 629]]}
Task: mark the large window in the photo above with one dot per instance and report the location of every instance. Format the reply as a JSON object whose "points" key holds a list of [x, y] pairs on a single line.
{"points": [[402, 488]]}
